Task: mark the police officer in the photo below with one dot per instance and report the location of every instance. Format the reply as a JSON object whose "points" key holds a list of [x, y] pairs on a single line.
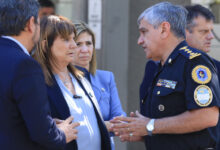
{"points": [[183, 100], [199, 29], [199, 34]]}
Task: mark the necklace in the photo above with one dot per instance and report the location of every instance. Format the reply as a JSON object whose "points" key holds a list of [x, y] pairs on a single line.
{"points": [[67, 81]]}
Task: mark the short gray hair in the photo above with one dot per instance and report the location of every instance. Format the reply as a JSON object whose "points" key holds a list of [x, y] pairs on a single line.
{"points": [[165, 11]]}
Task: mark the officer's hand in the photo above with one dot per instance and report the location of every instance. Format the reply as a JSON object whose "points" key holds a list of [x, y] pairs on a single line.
{"points": [[124, 136], [132, 114], [130, 126], [127, 138], [68, 127]]}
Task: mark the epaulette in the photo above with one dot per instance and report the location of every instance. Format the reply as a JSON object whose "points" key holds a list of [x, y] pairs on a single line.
{"points": [[189, 53]]}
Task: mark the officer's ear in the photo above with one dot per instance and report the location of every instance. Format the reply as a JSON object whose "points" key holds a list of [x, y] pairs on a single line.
{"points": [[165, 29], [188, 32]]}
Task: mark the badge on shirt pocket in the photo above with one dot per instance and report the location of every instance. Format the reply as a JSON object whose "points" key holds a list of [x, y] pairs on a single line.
{"points": [[203, 95], [166, 83]]}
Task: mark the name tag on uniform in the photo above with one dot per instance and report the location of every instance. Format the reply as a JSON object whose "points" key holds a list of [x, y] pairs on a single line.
{"points": [[166, 83]]}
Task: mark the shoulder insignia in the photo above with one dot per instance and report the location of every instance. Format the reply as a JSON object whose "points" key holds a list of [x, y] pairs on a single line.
{"points": [[203, 95], [189, 53], [201, 74]]}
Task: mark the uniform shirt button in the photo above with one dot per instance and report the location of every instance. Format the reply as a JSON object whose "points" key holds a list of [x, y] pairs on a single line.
{"points": [[170, 61], [161, 107], [158, 92]]}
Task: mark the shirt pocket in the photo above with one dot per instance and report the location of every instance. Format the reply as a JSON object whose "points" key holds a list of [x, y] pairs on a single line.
{"points": [[167, 102], [162, 91]]}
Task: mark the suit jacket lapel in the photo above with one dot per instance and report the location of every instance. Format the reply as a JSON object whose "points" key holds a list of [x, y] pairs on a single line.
{"points": [[92, 80], [105, 139], [59, 101], [89, 90]]}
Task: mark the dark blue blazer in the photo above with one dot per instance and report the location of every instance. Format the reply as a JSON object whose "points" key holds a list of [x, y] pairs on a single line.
{"points": [[25, 122], [60, 109]]}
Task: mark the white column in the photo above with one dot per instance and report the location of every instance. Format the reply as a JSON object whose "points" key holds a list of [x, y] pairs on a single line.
{"points": [[64, 8]]}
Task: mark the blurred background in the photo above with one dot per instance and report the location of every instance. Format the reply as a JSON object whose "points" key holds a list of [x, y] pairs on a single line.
{"points": [[115, 25]]}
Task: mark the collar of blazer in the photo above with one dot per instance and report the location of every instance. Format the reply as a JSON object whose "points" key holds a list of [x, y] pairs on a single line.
{"points": [[86, 84]]}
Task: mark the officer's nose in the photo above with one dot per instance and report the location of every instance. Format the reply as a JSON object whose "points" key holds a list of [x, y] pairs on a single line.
{"points": [[140, 40]]}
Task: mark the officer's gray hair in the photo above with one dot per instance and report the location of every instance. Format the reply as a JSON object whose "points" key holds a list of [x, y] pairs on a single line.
{"points": [[175, 15]]}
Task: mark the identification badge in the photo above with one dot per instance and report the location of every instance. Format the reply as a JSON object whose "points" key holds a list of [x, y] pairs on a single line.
{"points": [[166, 83]]}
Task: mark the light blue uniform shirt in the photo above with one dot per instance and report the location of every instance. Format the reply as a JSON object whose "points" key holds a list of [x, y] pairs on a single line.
{"points": [[88, 137]]}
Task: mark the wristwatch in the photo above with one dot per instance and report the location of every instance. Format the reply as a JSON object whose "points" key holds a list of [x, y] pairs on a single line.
{"points": [[150, 127]]}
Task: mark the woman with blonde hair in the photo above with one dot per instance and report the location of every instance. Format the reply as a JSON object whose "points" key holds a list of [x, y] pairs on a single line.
{"points": [[103, 83], [68, 91]]}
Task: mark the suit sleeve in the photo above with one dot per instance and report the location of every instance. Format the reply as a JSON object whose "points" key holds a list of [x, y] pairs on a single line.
{"points": [[115, 104], [30, 95]]}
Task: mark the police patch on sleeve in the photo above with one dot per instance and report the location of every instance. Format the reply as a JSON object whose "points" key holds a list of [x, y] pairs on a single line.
{"points": [[201, 74], [203, 95]]}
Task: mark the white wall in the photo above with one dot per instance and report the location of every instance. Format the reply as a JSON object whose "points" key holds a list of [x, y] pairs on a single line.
{"points": [[64, 7], [202, 2], [215, 50]]}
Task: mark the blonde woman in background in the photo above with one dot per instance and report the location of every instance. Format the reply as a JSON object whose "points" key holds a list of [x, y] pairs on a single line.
{"points": [[103, 83]]}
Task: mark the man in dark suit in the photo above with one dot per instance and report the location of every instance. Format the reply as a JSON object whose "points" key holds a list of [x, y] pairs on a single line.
{"points": [[25, 118]]}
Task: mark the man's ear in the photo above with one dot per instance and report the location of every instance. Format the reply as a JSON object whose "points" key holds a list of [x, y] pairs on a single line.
{"points": [[189, 35], [31, 25], [187, 32], [165, 29]]}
